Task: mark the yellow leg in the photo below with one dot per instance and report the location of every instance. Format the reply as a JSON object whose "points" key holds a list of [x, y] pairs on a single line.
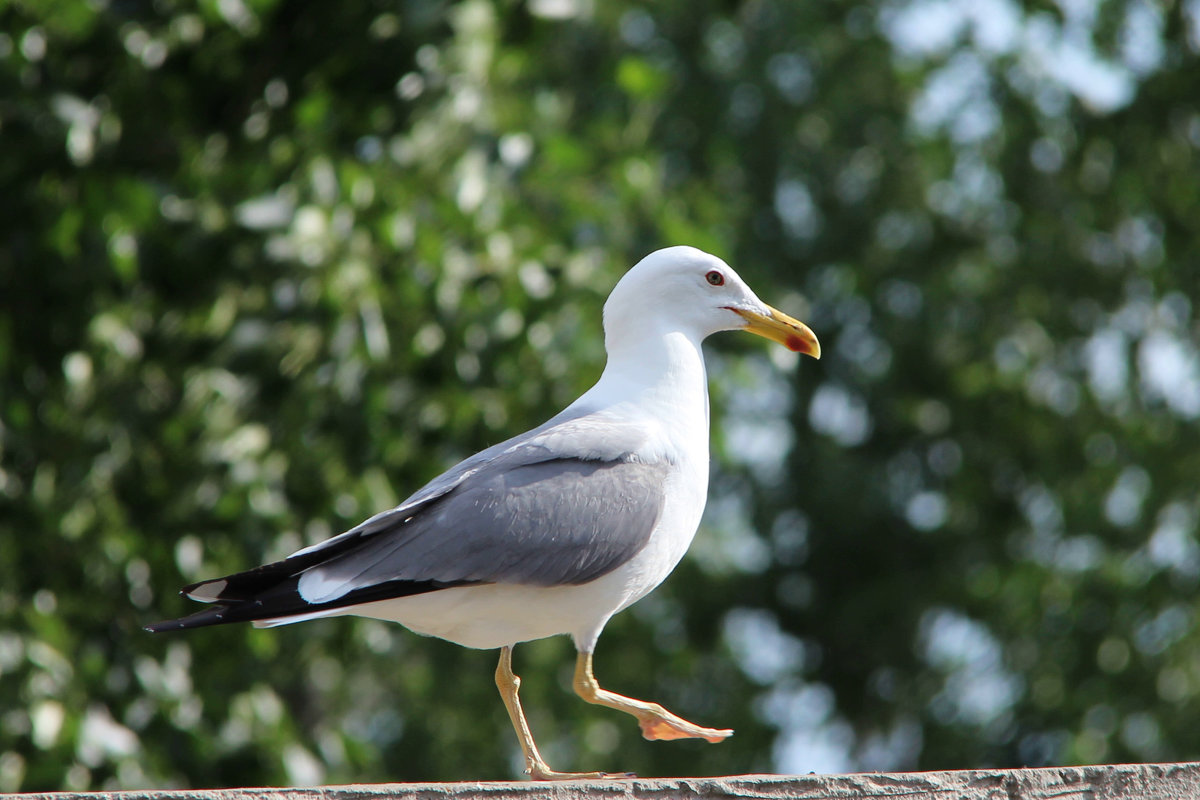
{"points": [[656, 721], [509, 684]]}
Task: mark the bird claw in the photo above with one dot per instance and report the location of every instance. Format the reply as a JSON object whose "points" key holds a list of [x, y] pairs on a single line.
{"points": [[670, 727], [541, 772]]}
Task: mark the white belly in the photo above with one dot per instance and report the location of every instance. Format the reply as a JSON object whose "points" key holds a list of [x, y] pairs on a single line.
{"points": [[495, 615]]}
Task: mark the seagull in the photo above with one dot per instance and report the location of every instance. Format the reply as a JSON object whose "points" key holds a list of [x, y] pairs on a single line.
{"points": [[554, 530]]}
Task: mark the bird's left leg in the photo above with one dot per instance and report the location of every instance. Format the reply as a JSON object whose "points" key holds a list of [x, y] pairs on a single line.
{"points": [[656, 722], [509, 684]]}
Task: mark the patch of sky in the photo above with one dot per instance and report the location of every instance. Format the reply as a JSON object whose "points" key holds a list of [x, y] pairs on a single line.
{"points": [[840, 414], [932, 27], [268, 211], [1169, 372], [1123, 504], [1155, 635], [1191, 18], [731, 544], [956, 98], [1066, 55], [1056, 56], [796, 209], [1173, 543], [891, 750], [812, 737], [1106, 358], [1141, 43], [764, 651], [978, 688], [927, 510], [756, 426], [857, 345]]}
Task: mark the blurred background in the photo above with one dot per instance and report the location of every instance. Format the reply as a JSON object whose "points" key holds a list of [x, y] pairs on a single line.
{"points": [[266, 266]]}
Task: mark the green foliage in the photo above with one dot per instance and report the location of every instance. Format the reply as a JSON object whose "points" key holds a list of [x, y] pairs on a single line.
{"points": [[268, 266]]}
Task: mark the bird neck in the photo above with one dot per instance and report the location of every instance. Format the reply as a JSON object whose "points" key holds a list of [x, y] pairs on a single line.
{"points": [[662, 373]]}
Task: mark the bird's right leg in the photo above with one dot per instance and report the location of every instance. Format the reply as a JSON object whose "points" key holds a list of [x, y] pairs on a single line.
{"points": [[509, 684], [656, 722]]}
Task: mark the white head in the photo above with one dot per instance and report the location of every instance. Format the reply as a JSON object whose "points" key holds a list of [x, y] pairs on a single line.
{"points": [[685, 290]]}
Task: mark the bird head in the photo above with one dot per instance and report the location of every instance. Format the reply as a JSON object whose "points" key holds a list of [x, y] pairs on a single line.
{"points": [[698, 294]]}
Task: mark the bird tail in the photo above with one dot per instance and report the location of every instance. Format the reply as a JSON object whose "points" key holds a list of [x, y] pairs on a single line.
{"points": [[269, 596], [262, 593], [265, 592]]}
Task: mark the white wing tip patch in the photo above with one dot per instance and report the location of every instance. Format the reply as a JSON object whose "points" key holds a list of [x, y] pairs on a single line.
{"points": [[315, 587], [209, 592]]}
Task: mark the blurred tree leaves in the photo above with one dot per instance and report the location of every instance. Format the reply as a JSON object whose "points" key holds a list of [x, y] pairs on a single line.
{"points": [[268, 266]]}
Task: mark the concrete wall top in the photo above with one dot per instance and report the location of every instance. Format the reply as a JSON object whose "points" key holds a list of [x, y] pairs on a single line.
{"points": [[1110, 782]]}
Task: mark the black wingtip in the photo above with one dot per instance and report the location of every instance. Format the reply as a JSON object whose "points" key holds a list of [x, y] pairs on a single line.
{"points": [[165, 625], [215, 615]]}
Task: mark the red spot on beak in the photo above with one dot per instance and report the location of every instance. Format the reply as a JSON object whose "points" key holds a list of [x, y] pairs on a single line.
{"points": [[794, 344]]}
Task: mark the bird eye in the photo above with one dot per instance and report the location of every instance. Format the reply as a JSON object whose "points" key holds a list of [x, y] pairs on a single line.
{"points": [[715, 278]]}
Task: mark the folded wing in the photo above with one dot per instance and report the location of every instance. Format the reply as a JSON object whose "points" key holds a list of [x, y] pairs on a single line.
{"points": [[523, 512]]}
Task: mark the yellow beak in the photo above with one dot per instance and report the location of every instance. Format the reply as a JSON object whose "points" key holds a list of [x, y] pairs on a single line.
{"points": [[779, 327]]}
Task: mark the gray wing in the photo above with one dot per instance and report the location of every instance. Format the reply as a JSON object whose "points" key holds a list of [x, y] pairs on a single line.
{"points": [[592, 438], [555, 522], [562, 504]]}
